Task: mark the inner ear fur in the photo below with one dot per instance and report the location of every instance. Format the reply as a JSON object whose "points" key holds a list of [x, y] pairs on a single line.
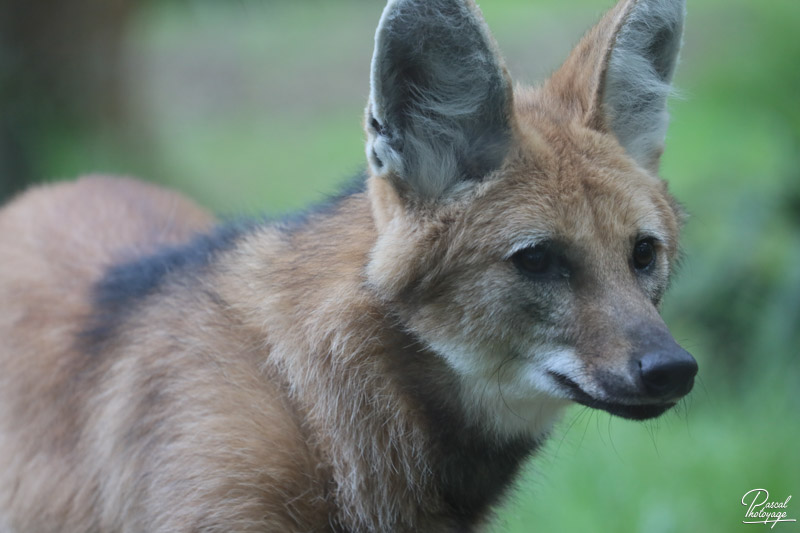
{"points": [[439, 112], [618, 78]]}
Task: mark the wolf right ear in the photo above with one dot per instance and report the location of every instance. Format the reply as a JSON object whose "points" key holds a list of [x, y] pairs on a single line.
{"points": [[636, 81], [619, 76], [440, 98]]}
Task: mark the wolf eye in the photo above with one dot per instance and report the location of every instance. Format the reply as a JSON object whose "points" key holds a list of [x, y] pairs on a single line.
{"points": [[644, 254], [534, 261]]}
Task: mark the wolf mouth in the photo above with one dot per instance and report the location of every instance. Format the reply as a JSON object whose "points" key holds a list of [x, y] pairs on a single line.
{"points": [[629, 411]]}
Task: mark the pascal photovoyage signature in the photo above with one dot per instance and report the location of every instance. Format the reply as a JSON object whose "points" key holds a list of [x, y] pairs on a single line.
{"points": [[760, 510]]}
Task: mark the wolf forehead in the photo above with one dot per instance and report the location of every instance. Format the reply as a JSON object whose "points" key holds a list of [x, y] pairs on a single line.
{"points": [[570, 182]]}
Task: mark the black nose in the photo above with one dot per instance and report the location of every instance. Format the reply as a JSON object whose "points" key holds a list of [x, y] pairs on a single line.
{"points": [[668, 372]]}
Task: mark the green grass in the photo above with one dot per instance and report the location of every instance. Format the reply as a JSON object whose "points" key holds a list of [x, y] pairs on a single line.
{"points": [[685, 472], [273, 167]]}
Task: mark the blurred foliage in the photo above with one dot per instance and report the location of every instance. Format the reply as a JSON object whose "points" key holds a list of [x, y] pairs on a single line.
{"points": [[734, 160], [257, 105]]}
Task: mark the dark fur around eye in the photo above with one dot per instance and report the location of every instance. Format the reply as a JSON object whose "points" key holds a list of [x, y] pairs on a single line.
{"points": [[541, 261], [644, 254]]}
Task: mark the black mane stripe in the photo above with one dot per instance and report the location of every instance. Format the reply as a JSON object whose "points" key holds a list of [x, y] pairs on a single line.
{"points": [[125, 285]]}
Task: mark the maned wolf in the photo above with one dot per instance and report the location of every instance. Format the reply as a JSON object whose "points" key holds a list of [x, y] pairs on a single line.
{"points": [[383, 363]]}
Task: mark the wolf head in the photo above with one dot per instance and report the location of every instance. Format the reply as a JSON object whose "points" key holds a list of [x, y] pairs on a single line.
{"points": [[524, 234]]}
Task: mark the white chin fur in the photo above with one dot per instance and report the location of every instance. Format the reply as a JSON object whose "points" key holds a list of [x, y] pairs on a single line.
{"points": [[511, 396]]}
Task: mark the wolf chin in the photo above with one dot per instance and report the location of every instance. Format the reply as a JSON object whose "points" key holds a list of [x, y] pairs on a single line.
{"points": [[385, 362]]}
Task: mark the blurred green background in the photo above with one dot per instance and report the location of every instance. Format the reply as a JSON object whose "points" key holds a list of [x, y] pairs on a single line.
{"points": [[256, 106]]}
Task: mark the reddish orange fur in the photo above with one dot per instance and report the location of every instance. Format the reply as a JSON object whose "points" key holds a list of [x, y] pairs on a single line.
{"points": [[287, 385]]}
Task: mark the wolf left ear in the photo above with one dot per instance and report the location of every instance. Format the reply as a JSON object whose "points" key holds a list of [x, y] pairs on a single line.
{"points": [[440, 98], [633, 52]]}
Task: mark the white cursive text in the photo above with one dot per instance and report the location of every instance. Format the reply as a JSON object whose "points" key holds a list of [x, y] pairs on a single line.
{"points": [[759, 506]]}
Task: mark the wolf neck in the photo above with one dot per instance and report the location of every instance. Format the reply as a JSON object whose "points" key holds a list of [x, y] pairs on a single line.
{"points": [[385, 407]]}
